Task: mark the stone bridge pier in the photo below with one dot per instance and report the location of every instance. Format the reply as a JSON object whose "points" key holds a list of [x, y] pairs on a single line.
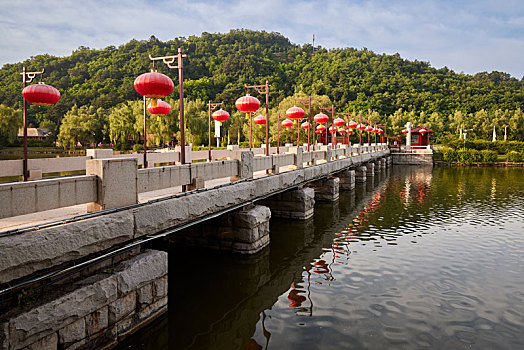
{"points": [[295, 204], [244, 231], [370, 169], [347, 179], [360, 174], [326, 190]]}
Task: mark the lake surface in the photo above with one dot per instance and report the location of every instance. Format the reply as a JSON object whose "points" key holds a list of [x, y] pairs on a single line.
{"points": [[418, 258]]}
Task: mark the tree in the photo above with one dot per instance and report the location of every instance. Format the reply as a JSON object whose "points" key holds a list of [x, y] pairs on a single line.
{"points": [[10, 122], [82, 125], [123, 123]]}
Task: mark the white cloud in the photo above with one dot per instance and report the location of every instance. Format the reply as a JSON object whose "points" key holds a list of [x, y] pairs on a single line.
{"points": [[467, 36]]}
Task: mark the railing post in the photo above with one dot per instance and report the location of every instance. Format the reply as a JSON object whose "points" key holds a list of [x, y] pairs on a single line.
{"points": [[116, 182], [297, 152], [245, 164]]}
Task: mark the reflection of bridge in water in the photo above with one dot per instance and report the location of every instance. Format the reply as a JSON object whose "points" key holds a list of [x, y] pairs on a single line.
{"points": [[232, 297]]}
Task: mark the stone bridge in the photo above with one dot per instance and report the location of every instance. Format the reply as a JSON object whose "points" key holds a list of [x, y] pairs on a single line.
{"points": [[239, 194]]}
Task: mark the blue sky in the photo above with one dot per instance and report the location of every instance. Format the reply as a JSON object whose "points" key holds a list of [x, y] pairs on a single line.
{"points": [[467, 36]]}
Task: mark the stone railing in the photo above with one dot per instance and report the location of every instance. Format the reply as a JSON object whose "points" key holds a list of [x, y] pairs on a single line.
{"points": [[21, 198], [116, 181]]}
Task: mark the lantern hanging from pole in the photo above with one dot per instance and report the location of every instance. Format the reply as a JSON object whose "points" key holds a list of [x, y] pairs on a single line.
{"points": [[349, 131], [321, 128], [380, 131], [321, 118], [220, 115], [305, 125], [422, 131], [247, 104], [352, 124], [361, 127], [295, 113], [318, 132], [332, 129], [260, 119], [405, 131], [341, 131], [339, 122], [154, 85], [161, 108], [287, 123], [41, 94], [368, 128]]}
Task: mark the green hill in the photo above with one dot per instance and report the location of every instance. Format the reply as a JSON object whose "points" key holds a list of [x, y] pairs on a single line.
{"points": [[219, 64]]}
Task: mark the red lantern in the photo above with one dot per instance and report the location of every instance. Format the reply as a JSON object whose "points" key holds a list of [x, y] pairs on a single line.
{"points": [[352, 124], [154, 85], [287, 123], [220, 115], [321, 128], [349, 131], [247, 104], [368, 128], [321, 118], [332, 129], [405, 131], [361, 127], [422, 131], [260, 119], [305, 125], [318, 132], [339, 122], [41, 94], [341, 131], [380, 131], [162, 108], [295, 112]]}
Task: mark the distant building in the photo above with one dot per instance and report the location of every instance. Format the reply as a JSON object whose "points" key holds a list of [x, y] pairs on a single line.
{"points": [[418, 139], [35, 134]]}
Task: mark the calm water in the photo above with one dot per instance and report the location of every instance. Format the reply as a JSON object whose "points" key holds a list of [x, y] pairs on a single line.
{"points": [[420, 258]]}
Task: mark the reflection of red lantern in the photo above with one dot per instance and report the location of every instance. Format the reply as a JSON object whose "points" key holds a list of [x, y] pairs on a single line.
{"points": [[352, 124], [260, 119], [321, 118], [339, 122], [41, 94], [220, 115], [321, 128], [154, 85], [422, 131], [247, 104], [405, 131], [287, 123], [162, 108], [305, 125], [295, 112]]}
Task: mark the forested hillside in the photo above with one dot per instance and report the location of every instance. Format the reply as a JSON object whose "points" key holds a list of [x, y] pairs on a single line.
{"points": [[386, 88]]}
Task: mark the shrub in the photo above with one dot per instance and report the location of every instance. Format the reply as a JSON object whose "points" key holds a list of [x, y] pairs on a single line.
{"points": [[138, 147], [488, 156], [515, 157], [500, 147], [449, 155]]}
